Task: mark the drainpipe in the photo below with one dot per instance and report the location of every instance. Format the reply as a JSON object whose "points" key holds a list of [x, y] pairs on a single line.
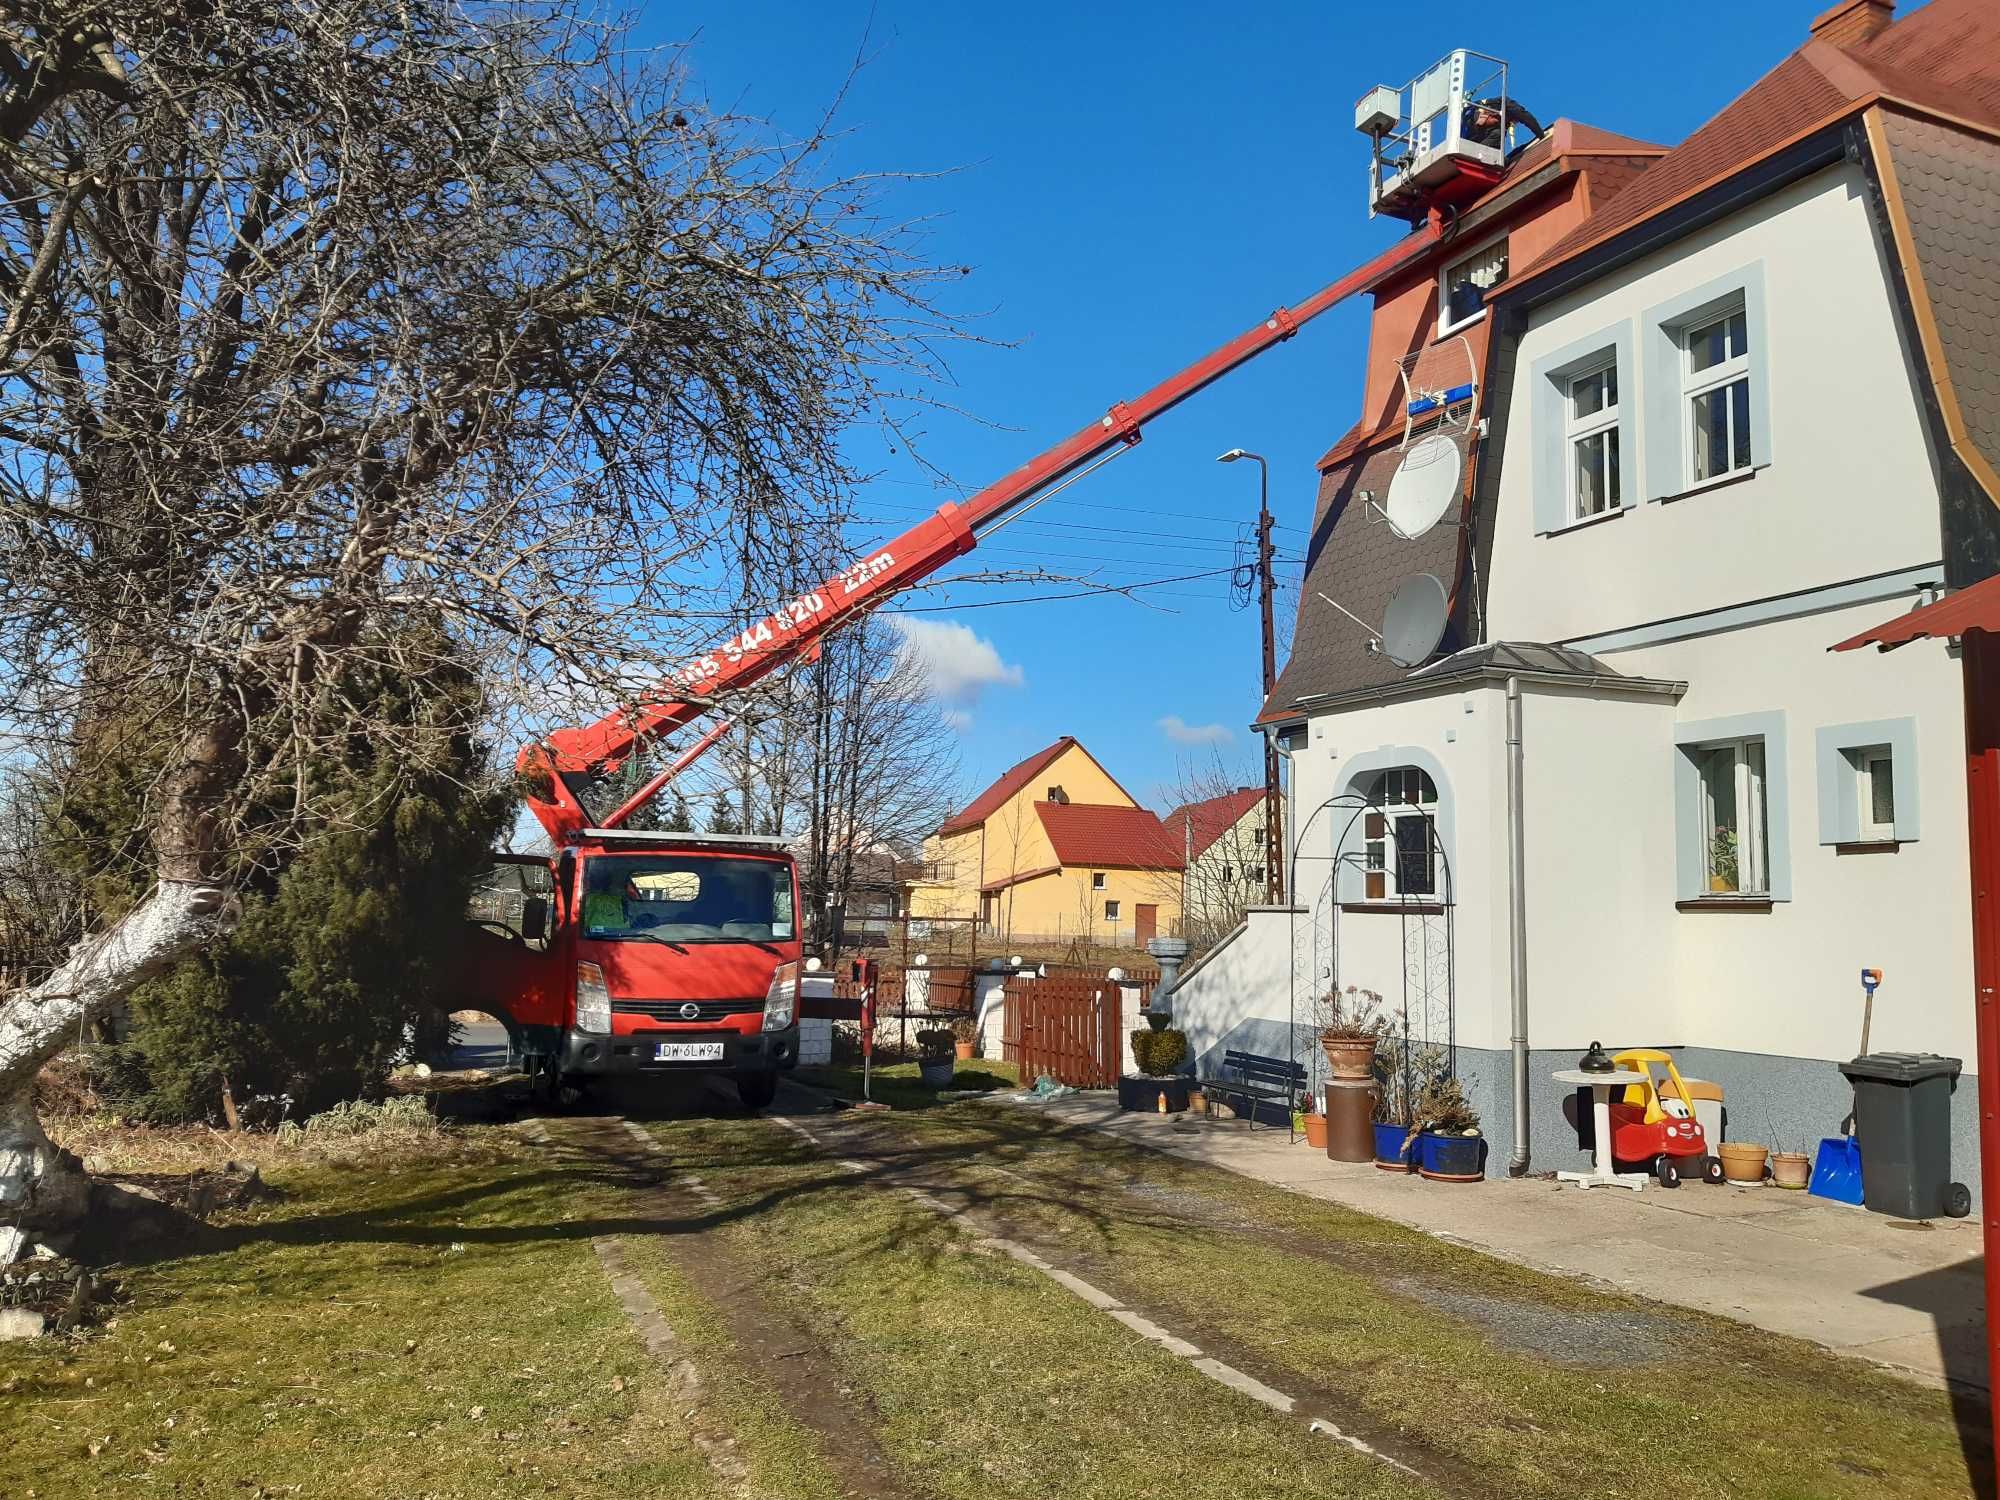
{"points": [[1517, 925]]}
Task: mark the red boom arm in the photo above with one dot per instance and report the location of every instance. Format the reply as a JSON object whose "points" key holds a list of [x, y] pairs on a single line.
{"points": [[794, 629]]}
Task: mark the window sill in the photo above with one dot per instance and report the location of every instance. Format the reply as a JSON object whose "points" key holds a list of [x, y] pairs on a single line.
{"points": [[1601, 517], [1410, 908], [1725, 903], [1720, 482], [1868, 846], [1444, 332]]}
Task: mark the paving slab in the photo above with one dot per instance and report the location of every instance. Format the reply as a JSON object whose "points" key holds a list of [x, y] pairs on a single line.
{"points": [[1910, 1298]]}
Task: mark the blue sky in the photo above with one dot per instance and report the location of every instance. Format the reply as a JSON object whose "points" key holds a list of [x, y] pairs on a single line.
{"points": [[1133, 184]]}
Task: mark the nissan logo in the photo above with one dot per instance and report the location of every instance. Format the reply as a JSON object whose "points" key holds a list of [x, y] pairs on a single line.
{"points": [[690, 1012]]}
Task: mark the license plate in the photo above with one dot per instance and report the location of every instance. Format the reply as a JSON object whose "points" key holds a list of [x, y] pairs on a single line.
{"points": [[688, 1052]]}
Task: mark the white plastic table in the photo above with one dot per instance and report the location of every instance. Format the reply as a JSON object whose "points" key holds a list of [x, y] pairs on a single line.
{"points": [[1602, 1173]]}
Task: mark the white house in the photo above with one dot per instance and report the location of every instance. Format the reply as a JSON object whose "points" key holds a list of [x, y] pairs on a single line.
{"points": [[1736, 413]]}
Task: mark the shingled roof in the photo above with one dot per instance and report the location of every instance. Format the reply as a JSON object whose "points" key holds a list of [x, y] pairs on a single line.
{"points": [[1940, 58]]}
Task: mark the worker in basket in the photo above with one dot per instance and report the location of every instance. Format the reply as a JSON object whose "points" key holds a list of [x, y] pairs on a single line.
{"points": [[1655, 1130]]}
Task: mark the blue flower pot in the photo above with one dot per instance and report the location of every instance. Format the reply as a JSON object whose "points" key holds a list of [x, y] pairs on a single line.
{"points": [[1389, 1147], [1451, 1158]]}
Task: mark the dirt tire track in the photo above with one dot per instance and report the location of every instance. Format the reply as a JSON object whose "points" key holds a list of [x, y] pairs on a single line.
{"points": [[934, 1175], [751, 1303]]}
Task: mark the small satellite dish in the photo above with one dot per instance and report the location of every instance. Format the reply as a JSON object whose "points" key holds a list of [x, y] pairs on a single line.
{"points": [[1424, 486], [1414, 622]]}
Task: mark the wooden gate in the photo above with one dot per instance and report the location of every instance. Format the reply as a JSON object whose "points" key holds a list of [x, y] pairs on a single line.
{"points": [[1065, 1026]]}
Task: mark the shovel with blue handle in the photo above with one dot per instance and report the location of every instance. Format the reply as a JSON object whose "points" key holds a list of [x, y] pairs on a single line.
{"points": [[1837, 1168]]}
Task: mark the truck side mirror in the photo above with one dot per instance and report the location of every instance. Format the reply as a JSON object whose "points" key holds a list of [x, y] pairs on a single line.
{"points": [[534, 919]]}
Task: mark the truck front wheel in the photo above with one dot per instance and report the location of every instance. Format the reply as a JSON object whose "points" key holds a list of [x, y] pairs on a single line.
{"points": [[756, 1090]]}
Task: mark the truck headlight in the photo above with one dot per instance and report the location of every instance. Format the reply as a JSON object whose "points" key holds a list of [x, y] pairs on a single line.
{"points": [[593, 1000], [781, 1000]]}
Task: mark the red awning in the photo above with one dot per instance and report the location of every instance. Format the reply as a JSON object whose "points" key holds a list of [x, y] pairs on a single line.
{"points": [[1975, 608]]}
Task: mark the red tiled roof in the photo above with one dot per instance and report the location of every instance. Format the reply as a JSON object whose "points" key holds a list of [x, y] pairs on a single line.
{"points": [[1970, 609], [1210, 820], [1092, 833], [1010, 781], [1944, 56]]}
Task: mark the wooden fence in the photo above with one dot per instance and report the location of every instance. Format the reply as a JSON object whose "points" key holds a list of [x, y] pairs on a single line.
{"points": [[1065, 1026]]}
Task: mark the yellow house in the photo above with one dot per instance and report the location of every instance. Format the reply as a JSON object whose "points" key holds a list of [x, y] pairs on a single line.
{"points": [[1055, 849]]}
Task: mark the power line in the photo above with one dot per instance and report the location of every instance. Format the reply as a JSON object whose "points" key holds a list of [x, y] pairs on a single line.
{"points": [[937, 609], [1131, 510]]}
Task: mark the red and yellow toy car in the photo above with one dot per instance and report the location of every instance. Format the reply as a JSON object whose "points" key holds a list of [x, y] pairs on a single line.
{"points": [[1655, 1131]]}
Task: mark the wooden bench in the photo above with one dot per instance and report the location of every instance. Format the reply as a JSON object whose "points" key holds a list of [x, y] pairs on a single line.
{"points": [[1259, 1080]]}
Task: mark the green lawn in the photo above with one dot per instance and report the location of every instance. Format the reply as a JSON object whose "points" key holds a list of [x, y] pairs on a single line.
{"points": [[441, 1326]]}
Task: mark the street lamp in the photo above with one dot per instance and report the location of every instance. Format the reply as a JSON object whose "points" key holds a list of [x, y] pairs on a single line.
{"points": [[1274, 880]]}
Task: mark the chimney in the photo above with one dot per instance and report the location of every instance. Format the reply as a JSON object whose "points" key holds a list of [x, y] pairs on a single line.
{"points": [[1853, 22]]}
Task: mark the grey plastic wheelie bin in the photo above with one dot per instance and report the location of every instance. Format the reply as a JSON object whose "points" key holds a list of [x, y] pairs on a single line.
{"points": [[1902, 1120]]}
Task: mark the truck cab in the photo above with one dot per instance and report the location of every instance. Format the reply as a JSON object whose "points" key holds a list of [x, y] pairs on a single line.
{"points": [[636, 954]]}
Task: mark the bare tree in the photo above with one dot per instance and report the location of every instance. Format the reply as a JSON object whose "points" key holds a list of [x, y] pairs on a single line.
{"points": [[1225, 876], [315, 317]]}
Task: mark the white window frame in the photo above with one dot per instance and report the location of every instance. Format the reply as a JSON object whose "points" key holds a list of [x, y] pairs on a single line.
{"points": [[1444, 324], [1717, 377], [1865, 759], [1111, 911], [1751, 785], [1097, 880], [1594, 427], [1378, 854]]}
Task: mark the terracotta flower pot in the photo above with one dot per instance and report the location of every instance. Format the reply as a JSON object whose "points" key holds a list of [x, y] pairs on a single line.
{"points": [[1349, 1057], [1791, 1169], [963, 1049], [1743, 1161], [1316, 1132]]}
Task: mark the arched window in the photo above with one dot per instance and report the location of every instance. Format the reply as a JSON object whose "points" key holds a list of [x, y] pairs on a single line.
{"points": [[1399, 840]]}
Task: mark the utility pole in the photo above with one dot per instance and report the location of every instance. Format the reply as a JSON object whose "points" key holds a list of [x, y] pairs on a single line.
{"points": [[1274, 843]]}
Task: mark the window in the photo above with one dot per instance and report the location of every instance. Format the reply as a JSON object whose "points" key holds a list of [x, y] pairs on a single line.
{"points": [[1591, 434], [1734, 829], [1229, 872], [1056, 794], [1715, 382], [1097, 880], [1876, 795], [1254, 875], [1463, 285], [1868, 783], [686, 899], [1111, 911], [1399, 844]]}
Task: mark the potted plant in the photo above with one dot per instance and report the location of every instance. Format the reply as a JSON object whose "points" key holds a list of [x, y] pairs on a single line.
{"points": [[1444, 1138], [1312, 1124], [1401, 1072], [1722, 862], [1349, 1027], [1789, 1169], [934, 1056], [965, 1034], [1159, 1054]]}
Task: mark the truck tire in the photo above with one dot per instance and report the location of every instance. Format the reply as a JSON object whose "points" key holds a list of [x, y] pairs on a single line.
{"points": [[756, 1090]]}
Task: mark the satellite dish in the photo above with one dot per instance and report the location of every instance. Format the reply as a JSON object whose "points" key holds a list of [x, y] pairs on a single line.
{"points": [[1424, 486], [1414, 622]]}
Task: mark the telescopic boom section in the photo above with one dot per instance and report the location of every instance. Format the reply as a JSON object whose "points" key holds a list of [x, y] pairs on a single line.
{"points": [[797, 628]]}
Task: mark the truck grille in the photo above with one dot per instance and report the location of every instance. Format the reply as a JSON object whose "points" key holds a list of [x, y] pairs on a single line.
{"points": [[671, 1010]]}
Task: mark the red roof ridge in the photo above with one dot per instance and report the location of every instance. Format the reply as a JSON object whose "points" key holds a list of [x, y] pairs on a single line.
{"points": [[1004, 786], [1942, 58]]}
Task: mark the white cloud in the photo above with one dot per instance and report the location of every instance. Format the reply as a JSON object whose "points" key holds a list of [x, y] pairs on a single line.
{"points": [[958, 664], [957, 720], [1177, 729]]}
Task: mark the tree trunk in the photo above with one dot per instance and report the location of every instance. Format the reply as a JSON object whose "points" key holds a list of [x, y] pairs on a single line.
{"points": [[43, 1192]]}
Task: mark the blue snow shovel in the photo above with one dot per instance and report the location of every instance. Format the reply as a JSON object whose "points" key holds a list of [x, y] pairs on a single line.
{"points": [[1837, 1168]]}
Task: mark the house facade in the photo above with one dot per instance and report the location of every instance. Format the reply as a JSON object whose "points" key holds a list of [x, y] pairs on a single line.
{"points": [[1733, 415], [1054, 850], [1222, 843]]}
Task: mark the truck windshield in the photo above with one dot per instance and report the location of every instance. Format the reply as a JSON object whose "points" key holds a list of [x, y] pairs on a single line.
{"points": [[687, 898]]}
